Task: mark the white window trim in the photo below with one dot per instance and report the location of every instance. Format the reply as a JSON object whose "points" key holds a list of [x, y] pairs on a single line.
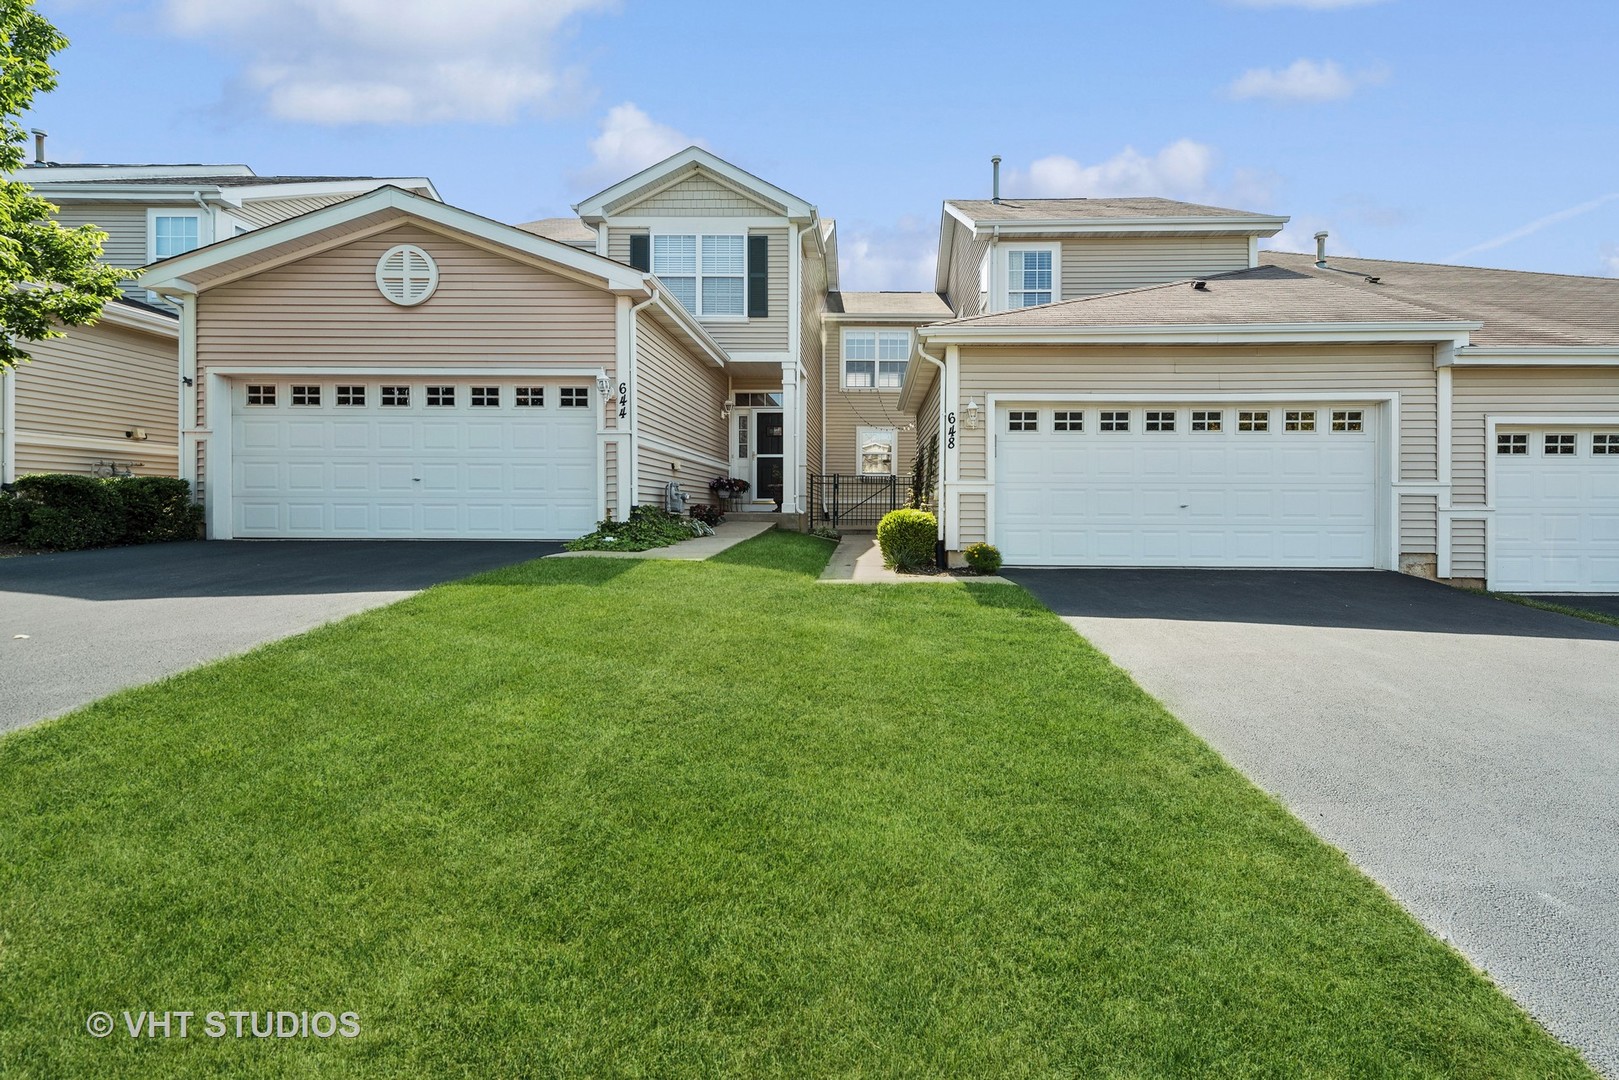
{"points": [[998, 292], [864, 435], [699, 234], [205, 227], [876, 371]]}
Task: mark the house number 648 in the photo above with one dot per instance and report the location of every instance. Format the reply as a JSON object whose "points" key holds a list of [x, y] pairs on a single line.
{"points": [[950, 432]]}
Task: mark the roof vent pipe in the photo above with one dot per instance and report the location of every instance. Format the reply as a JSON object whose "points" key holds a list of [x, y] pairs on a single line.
{"points": [[39, 147], [995, 165], [1321, 248]]}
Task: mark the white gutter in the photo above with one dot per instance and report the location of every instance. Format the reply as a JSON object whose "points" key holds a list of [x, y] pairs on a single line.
{"points": [[1536, 356], [1450, 330]]}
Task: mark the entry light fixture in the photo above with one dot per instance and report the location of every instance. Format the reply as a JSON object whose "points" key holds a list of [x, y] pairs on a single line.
{"points": [[603, 384], [975, 413]]}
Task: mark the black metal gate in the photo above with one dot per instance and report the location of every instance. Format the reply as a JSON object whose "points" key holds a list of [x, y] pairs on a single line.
{"points": [[852, 502]]}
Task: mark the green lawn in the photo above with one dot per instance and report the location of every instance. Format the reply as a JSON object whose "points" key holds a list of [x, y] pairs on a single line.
{"points": [[592, 817]]}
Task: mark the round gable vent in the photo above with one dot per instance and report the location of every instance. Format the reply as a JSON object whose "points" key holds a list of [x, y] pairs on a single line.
{"points": [[407, 275]]}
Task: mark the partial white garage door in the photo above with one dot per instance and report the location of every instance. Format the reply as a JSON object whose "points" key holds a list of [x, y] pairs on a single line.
{"points": [[412, 458], [1556, 510], [1187, 485]]}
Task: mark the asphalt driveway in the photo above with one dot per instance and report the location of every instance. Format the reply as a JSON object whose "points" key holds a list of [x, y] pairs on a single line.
{"points": [[1462, 750], [77, 626], [1602, 605]]}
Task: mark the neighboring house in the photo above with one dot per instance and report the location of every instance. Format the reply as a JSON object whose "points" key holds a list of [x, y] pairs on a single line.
{"points": [[1111, 382], [107, 396]]}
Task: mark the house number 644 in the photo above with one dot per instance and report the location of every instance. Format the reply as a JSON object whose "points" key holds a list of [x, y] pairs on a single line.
{"points": [[623, 400], [950, 432]]}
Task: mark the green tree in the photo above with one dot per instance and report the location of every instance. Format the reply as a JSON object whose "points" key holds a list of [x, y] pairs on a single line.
{"points": [[49, 276]]}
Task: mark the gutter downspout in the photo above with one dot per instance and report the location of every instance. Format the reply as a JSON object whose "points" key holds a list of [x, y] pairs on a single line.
{"points": [[942, 503], [631, 413]]}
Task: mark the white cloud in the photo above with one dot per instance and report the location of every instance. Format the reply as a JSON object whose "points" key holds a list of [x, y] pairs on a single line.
{"points": [[1535, 226], [629, 141], [1610, 260], [393, 61], [1302, 81], [901, 256], [1185, 169], [1307, 5]]}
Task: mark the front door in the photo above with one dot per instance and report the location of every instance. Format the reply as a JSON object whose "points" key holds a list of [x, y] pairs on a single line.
{"points": [[767, 437]]}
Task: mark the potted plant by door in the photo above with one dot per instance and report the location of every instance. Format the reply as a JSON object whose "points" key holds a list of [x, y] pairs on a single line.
{"points": [[728, 487]]}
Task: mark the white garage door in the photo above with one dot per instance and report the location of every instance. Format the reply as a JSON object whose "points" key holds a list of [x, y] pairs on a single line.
{"points": [[1556, 510], [413, 458], [1187, 485]]}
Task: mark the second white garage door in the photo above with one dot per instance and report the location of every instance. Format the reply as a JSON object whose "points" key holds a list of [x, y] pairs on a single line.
{"points": [[411, 458], [1187, 485], [1556, 510]]}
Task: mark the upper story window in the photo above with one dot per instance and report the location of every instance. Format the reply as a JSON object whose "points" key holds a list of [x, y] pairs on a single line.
{"points": [[175, 234], [875, 359], [706, 273], [1031, 275]]}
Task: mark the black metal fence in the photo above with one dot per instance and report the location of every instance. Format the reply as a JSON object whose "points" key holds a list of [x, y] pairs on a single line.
{"points": [[853, 502]]}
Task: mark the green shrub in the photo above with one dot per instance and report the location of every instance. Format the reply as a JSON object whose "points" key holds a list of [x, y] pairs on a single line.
{"points": [[707, 514], [647, 527], [982, 558], [68, 512], [907, 538], [157, 508]]}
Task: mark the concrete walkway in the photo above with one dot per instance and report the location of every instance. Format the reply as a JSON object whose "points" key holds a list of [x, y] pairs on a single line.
{"points": [[1461, 750], [859, 561], [727, 534]]}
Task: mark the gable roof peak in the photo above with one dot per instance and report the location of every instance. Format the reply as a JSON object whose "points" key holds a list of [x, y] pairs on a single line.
{"points": [[694, 158]]}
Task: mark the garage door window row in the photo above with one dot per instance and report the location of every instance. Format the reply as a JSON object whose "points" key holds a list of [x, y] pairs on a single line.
{"points": [[389, 396], [1604, 444], [1202, 421]]}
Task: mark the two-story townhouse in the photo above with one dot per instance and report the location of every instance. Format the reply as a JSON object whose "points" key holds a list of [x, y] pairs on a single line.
{"points": [[106, 397]]}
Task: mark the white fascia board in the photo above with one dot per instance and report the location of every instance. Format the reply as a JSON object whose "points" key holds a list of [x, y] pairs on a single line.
{"points": [[1537, 356], [1202, 334], [941, 266], [169, 274], [256, 192], [117, 193], [595, 206], [1202, 226], [133, 318], [918, 377]]}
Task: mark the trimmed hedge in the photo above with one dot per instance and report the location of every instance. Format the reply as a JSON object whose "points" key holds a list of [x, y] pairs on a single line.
{"points": [[982, 558], [907, 538], [67, 512]]}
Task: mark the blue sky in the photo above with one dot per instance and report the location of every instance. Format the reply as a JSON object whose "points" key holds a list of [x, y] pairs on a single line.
{"points": [[1431, 130]]}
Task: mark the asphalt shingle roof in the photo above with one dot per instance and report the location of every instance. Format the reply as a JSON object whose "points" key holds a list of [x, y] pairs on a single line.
{"points": [[205, 181], [1264, 294], [569, 230], [1013, 210], [1517, 307], [926, 304]]}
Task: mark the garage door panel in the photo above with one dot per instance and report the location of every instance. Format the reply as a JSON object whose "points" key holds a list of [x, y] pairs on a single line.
{"points": [[444, 471], [1171, 498], [1556, 526]]}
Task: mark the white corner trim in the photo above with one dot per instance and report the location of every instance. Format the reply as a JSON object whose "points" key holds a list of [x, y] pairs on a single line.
{"points": [[220, 405], [8, 426]]}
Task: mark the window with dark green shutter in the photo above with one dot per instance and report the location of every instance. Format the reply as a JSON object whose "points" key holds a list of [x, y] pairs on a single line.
{"points": [[641, 252], [758, 277]]}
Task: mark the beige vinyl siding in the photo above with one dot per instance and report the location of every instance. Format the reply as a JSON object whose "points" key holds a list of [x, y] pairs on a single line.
{"points": [[695, 196], [125, 226], [1467, 544], [1477, 393], [262, 212], [1419, 525], [812, 301], [966, 262], [326, 309], [81, 393], [734, 334], [610, 487], [1353, 371], [1098, 265], [849, 410], [678, 400]]}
